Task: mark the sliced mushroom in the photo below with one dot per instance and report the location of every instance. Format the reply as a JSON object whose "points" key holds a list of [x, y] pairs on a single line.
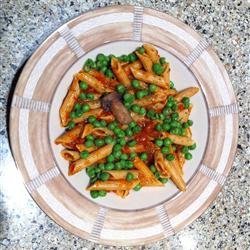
{"points": [[112, 102]]}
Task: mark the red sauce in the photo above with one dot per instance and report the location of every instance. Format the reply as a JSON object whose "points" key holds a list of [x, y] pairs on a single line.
{"points": [[73, 144], [71, 168], [108, 82], [180, 106]]}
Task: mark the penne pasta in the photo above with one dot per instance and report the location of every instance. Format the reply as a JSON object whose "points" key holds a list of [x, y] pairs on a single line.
{"points": [[146, 177], [93, 82], [166, 74], [99, 132], [122, 174], [188, 92], [69, 102], [160, 164], [94, 157], [152, 52], [70, 155], [119, 72], [145, 60], [179, 140], [94, 104], [184, 115], [84, 116], [122, 193], [69, 136], [149, 77], [82, 147], [136, 65], [113, 185]]}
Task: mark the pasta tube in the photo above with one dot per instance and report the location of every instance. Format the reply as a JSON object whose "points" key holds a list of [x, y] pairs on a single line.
{"points": [[188, 92]]}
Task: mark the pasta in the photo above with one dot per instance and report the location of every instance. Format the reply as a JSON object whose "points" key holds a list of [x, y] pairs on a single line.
{"points": [[126, 124]]}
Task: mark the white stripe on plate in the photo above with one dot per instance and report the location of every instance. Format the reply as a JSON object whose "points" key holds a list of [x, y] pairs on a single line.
{"points": [[163, 216], [194, 55], [101, 20], [212, 174], [224, 110], [41, 179], [63, 211], [33, 105], [98, 225], [23, 131], [137, 24], [41, 65], [171, 28], [72, 42]]}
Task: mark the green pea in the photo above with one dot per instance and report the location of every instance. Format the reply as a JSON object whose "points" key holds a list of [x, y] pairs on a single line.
{"points": [[77, 106], [150, 113], [170, 157], [101, 166], [175, 116], [132, 143], [128, 98], [158, 127], [132, 124], [162, 60], [159, 142], [91, 172], [79, 113], [169, 104], [111, 56], [132, 155], [124, 58], [73, 115], [108, 139], [124, 156], [123, 163], [71, 125], [186, 105], [182, 132], [171, 84], [167, 120], [83, 85], [192, 147], [121, 141], [103, 69], [184, 149], [135, 108], [136, 84], [112, 126], [141, 50], [89, 143], [85, 107], [121, 133], [165, 126], [188, 156], [111, 158], [97, 170], [153, 169], [137, 187], [167, 142], [127, 105], [140, 94], [174, 107], [109, 73], [117, 154], [142, 111], [86, 68], [129, 164], [167, 111], [157, 175], [90, 137], [117, 147], [91, 119], [109, 166], [165, 150], [93, 179], [82, 96], [171, 98], [144, 156], [102, 193], [120, 89], [94, 194], [118, 165], [101, 57], [190, 122], [152, 88], [136, 129], [185, 125], [128, 132], [163, 180], [99, 142], [103, 123], [175, 131], [97, 124], [90, 96], [175, 124], [99, 65], [132, 57], [157, 68], [84, 154], [89, 62], [129, 177]]}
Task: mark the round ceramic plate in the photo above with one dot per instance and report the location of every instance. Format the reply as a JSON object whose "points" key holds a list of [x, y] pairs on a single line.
{"points": [[152, 213]]}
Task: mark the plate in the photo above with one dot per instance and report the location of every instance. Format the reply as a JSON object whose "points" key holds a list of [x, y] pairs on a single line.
{"points": [[153, 213]]}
